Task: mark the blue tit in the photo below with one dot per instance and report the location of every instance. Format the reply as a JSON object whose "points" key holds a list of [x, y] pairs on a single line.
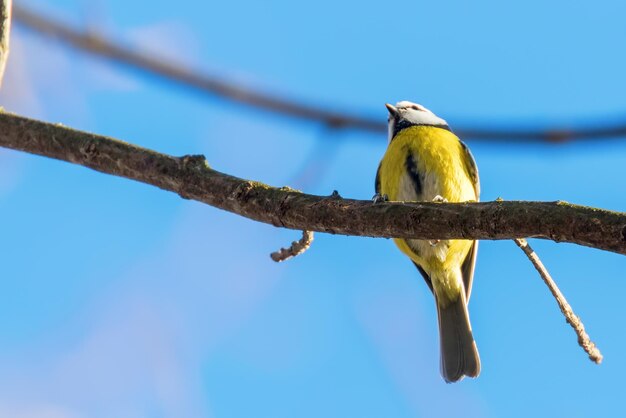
{"points": [[426, 162]]}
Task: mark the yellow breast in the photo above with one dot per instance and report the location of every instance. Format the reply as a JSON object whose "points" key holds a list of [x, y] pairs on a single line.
{"points": [[439, 159], [442, 170]]}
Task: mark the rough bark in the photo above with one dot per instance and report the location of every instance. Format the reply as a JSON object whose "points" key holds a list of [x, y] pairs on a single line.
{"points": [[192, 178]]}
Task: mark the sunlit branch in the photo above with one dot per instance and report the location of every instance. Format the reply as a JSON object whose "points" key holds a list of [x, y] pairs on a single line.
{"points": [[192, 178], [5, 31], [296, 248]]}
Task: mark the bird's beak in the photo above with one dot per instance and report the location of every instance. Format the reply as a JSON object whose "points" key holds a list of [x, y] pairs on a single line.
{"points": [[392, 110]]}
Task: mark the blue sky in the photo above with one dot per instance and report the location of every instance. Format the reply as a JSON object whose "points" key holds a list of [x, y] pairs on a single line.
{"points": [[119, 299]]}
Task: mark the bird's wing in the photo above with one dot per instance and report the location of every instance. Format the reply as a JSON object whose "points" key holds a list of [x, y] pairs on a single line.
{"points": [[377, 182], [425, 275], [467, 269], [472, 169]]}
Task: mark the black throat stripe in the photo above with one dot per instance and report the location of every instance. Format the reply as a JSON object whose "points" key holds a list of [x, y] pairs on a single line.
{"points": [[401, 124]]}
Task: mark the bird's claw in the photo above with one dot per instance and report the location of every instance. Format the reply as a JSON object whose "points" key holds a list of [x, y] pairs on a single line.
{"points": [[380, 198]]}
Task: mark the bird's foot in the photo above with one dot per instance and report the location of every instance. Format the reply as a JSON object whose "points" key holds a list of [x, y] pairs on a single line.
{"points": [[380, 198]]}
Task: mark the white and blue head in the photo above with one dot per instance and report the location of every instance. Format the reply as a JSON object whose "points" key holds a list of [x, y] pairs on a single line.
{"points": [[405, 114]]}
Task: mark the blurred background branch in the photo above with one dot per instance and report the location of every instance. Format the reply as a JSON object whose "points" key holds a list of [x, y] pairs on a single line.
{"points": [[99, 45]]}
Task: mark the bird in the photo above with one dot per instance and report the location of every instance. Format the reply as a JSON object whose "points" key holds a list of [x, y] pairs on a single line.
{"points": [[425, 161]]}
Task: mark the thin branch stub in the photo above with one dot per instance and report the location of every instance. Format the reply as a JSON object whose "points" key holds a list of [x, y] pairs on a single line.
{"points": [[296, 248], [583, 338]]}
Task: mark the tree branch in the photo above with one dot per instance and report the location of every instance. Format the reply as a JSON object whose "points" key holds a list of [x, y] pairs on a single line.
{"points": [[216, 86], [5, 31], [191, 178]]}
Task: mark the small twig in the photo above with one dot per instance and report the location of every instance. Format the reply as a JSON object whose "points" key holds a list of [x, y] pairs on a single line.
{"points": [[583, 339], [297, 248], [5, 29]]}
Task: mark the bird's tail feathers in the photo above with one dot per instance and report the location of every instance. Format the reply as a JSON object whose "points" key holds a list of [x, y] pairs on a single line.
{"points": [[459, 355]]}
